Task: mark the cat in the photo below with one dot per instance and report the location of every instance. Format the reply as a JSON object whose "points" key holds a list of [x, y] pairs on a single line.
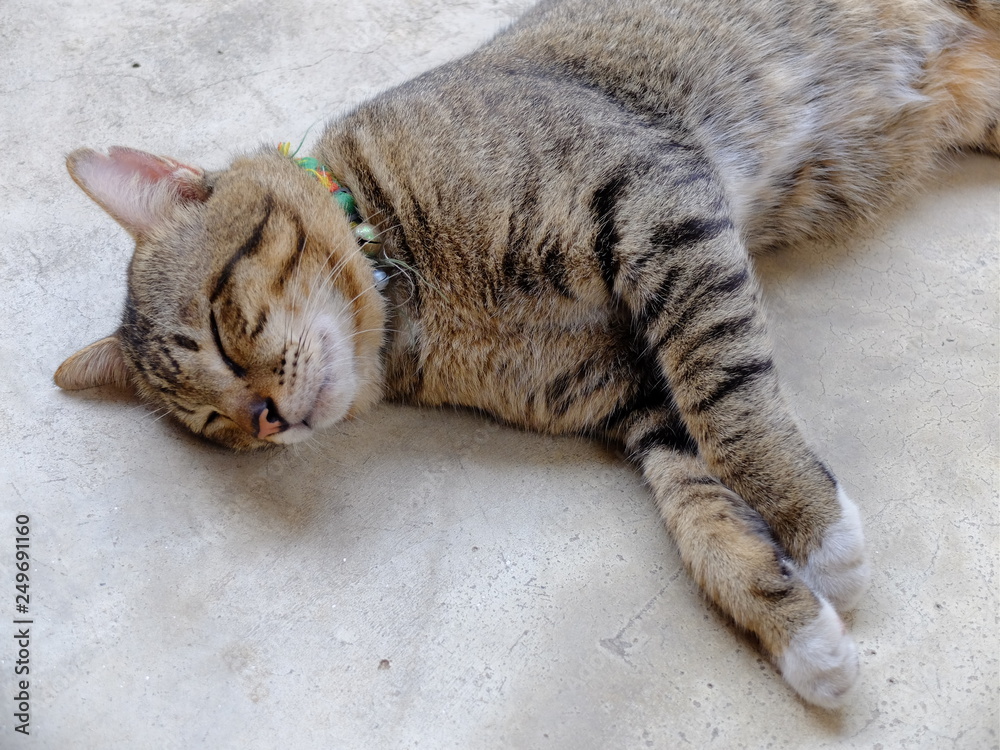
{"points": [[557, 230]]}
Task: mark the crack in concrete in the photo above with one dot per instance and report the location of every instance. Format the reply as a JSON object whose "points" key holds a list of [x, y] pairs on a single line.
{"points": [[617, 645]]}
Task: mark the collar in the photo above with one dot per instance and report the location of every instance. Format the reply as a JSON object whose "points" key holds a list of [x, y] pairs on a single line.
{"points": [[364, 232]]}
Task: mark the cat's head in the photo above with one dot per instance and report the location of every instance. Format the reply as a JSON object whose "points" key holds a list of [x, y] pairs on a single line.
{"points": [[251, 315]]}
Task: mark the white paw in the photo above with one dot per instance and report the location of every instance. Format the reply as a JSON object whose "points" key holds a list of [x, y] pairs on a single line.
{"points": [[821, 662], [839, 569]]}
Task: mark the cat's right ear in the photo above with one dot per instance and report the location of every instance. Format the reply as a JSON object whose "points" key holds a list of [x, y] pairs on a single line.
{"points": [[101, 363], [138, 189]]}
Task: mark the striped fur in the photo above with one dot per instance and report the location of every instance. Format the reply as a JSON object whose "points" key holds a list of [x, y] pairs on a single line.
{"points": [[576, 205]]}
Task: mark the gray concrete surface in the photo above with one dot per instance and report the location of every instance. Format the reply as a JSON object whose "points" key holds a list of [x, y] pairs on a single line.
{"points": [[430, 579]]}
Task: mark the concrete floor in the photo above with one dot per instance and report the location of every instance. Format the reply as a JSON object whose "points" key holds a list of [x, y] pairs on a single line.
{"points": [[429, 579]]}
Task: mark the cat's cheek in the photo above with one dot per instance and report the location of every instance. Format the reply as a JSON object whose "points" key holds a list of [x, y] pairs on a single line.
{"points": [[339, 387], [334, 400]]}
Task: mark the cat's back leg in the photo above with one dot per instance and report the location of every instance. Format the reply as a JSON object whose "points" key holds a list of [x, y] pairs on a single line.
{"points": [[961, 77]]}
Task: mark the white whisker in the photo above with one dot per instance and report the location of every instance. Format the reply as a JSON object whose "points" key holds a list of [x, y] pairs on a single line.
{"points": [[373, 330], [154, 415]]}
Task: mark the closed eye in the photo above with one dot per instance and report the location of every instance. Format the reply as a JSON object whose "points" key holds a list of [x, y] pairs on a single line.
{"points": [[211, 418], [236, 369]]}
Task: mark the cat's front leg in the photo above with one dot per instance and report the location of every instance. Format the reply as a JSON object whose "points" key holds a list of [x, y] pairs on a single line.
{"points": [[689, 286], [733, 556]]}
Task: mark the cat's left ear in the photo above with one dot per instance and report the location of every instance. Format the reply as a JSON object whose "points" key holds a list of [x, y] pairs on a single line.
{"points": [[138, 189], [100, 363]]}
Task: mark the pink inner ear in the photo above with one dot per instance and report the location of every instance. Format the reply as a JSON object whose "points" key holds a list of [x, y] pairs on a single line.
{"points": [[152, 168], [136, 188]]}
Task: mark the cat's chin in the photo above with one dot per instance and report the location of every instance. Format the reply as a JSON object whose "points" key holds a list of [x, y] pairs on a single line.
{"points": [[297, 433]]}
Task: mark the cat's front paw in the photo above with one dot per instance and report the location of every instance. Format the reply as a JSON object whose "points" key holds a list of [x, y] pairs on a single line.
{"points": [[821, 662], [839, 569]]}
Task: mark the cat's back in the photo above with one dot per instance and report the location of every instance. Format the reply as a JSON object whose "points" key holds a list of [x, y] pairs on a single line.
{"points": [[814, 114], [495, 175]]}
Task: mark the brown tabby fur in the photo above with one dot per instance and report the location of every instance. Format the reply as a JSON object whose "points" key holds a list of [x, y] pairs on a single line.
{"points": [[575, 204]]}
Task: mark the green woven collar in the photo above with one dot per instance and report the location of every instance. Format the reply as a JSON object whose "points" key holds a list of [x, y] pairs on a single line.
{"points": [[365, 233], [384, 268]]}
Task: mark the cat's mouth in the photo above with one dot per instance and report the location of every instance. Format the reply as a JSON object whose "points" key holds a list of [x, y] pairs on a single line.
{"points": [[325, 413]]}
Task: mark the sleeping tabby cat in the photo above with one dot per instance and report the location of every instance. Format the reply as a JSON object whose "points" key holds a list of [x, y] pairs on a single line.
{"points": [[565, 220]]}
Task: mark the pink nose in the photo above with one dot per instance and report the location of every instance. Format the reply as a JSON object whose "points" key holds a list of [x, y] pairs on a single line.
{"points": [[268, 421]]}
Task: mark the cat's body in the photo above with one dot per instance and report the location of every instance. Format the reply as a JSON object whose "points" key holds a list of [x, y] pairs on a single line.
{"points": [[575, 204]]}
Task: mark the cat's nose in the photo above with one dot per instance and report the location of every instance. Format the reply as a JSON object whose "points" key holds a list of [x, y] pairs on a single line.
{"points": [[266, 419]]}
